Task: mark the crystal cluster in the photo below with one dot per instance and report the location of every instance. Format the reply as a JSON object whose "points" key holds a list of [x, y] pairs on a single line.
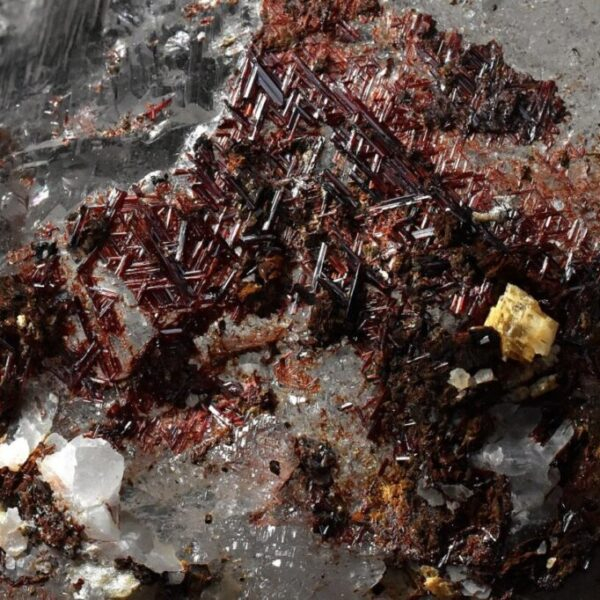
{"points": [[513, 452], [35, 423], [12, 540], [106, 582], [300, 333], [73, 472], [86, 473]]}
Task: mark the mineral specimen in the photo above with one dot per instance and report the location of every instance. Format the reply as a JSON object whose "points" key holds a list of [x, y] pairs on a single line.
{"points": [[301, 354], [524, 329], [12, 540], [460, 379], [34, 425], [73, 473], [86, 473], [527, 463], [102, 582]]}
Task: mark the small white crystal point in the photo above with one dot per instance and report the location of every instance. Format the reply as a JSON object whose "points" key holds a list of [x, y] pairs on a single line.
{"points": [[12, 541], [483, 376], [460, 379]]}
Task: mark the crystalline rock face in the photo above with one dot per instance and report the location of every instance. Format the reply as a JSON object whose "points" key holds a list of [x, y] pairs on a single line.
{"points": [[524, 329]]}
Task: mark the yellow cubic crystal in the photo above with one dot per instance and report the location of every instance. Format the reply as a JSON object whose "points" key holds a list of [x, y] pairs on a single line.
{"points": [[524, 329]]}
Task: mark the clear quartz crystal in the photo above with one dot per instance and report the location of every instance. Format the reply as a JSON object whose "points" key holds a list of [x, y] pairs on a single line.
{"points": [[513, 452], [73, 472]]}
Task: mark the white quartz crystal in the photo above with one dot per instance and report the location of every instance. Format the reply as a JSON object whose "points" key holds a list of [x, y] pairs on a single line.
{"points": [[139, 542], [87, 474], [460, 379], [99, 523], [34, 425], [12, 541], [101, 582], [14, 454]]}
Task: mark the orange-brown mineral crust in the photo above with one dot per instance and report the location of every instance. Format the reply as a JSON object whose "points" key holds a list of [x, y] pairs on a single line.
{"points": [[367, 172], [287, 22]]}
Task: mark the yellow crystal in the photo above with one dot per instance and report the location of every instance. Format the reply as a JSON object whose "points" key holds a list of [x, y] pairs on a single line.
{"points": [[524, 329], [435, 585]]}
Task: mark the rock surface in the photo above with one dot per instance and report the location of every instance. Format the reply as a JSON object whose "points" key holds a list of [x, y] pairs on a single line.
{"points": [[268, 333]]}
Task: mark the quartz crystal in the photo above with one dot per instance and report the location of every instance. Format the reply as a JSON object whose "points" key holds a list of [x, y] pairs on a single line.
{"points": [[100, 582], [34, 424], [514, 452], [87, 473], [12, 540], [460, 379], [250, 249], [73, 472]]}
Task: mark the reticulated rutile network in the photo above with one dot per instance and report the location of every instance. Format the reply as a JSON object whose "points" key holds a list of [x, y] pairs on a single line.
{"points": [[390, 183]]}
